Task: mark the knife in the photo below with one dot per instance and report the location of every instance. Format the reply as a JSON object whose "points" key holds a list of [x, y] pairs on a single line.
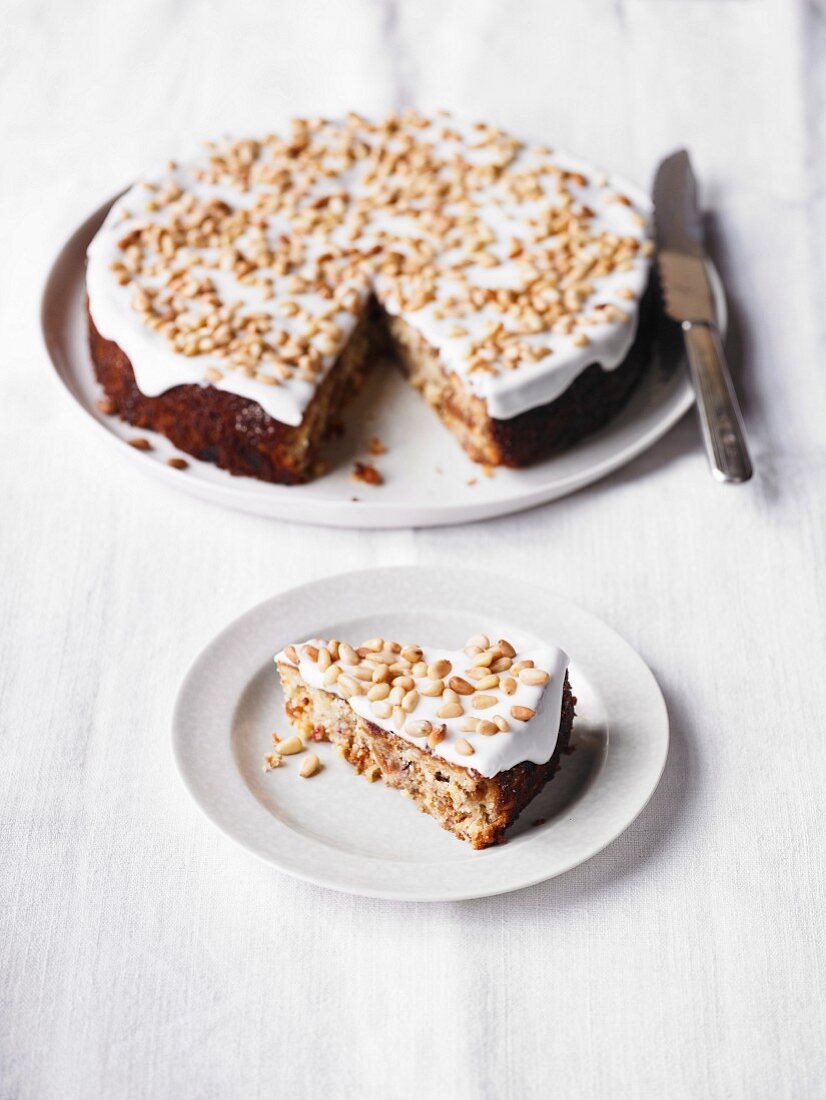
{"points": [[681, 261]]}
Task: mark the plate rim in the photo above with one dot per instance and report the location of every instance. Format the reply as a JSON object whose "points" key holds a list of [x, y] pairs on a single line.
{"points": [[659, 744], [260, 499]]}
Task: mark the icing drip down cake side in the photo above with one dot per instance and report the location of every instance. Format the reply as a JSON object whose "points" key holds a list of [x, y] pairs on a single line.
{"points": [[471, 736], [236, 301]]}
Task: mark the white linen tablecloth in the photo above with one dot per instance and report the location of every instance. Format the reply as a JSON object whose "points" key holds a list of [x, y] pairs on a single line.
{"points": [[144, 955]]}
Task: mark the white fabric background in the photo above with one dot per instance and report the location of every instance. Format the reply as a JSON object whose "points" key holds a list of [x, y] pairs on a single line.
{"points": [[141, 953]]}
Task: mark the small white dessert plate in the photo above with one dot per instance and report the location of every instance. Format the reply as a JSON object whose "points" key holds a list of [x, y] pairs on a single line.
{"points": [[428, 480], [337, 830]]}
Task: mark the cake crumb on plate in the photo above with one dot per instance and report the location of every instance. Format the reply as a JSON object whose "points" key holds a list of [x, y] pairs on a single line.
{"points": [[367, 473]]}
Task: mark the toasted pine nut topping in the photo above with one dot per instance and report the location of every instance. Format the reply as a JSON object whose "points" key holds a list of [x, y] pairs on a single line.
{"points": [[522, 714], [482, 702], [486, 682], [460, 686], [439, 669], [432, 687]]}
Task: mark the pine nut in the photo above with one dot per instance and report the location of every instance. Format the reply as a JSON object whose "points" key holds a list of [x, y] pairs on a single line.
{"points": [[506, 649], [324, 659], [480, 641], [469, 724], [309, 766], [290, 746], [502, 665], [399, 716], [396, 695], [517, 668], [291, 654], [410, 701], [378, 692], [478, 673], [460, 686], [375, 645], [482, 702], [361, 672], [450, 710], [412, 654], [419, 728], [382, 709], [501, 723], [406, 683], [419, 670], [534, 676], [450, 696], [381, 674], [432, 688], [464, 747], [331, 675], [508, 685], [383, 658], [347, 655], [487, 682], [436, 736], [439, 669], [310, 652], [487, 728], [333, 646], [483, 660], [522, 714], [348, 686]]}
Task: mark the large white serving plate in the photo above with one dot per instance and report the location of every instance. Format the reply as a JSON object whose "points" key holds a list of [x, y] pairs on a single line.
{"points": [[428, 480], [339, 831]]}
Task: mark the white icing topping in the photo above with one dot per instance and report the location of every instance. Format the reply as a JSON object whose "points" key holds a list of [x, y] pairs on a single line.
{"points": [[515, 233], [533, 740]]}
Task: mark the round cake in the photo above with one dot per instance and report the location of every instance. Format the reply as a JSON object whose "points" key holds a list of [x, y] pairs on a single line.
{"points": [[237, 300]]}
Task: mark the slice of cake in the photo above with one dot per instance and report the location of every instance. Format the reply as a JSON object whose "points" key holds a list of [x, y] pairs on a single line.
{"points": [[471, 736], [236, 301]]}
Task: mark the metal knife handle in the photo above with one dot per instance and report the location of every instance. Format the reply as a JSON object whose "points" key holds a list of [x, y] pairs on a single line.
{"points": [[720, 418]]}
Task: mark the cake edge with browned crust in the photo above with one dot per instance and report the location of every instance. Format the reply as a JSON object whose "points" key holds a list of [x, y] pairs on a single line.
{"points": [[230, 431], [236, 434]]}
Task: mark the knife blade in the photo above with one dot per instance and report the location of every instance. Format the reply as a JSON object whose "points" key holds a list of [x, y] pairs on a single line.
{"points": [[689, 300]]}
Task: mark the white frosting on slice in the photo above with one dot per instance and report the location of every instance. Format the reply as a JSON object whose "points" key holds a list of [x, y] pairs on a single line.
{"points": [[533, 740], [446, 265]]}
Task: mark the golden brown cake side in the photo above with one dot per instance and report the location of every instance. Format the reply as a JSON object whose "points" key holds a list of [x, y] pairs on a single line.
{"points": [[228, 430], [462, 801]]}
